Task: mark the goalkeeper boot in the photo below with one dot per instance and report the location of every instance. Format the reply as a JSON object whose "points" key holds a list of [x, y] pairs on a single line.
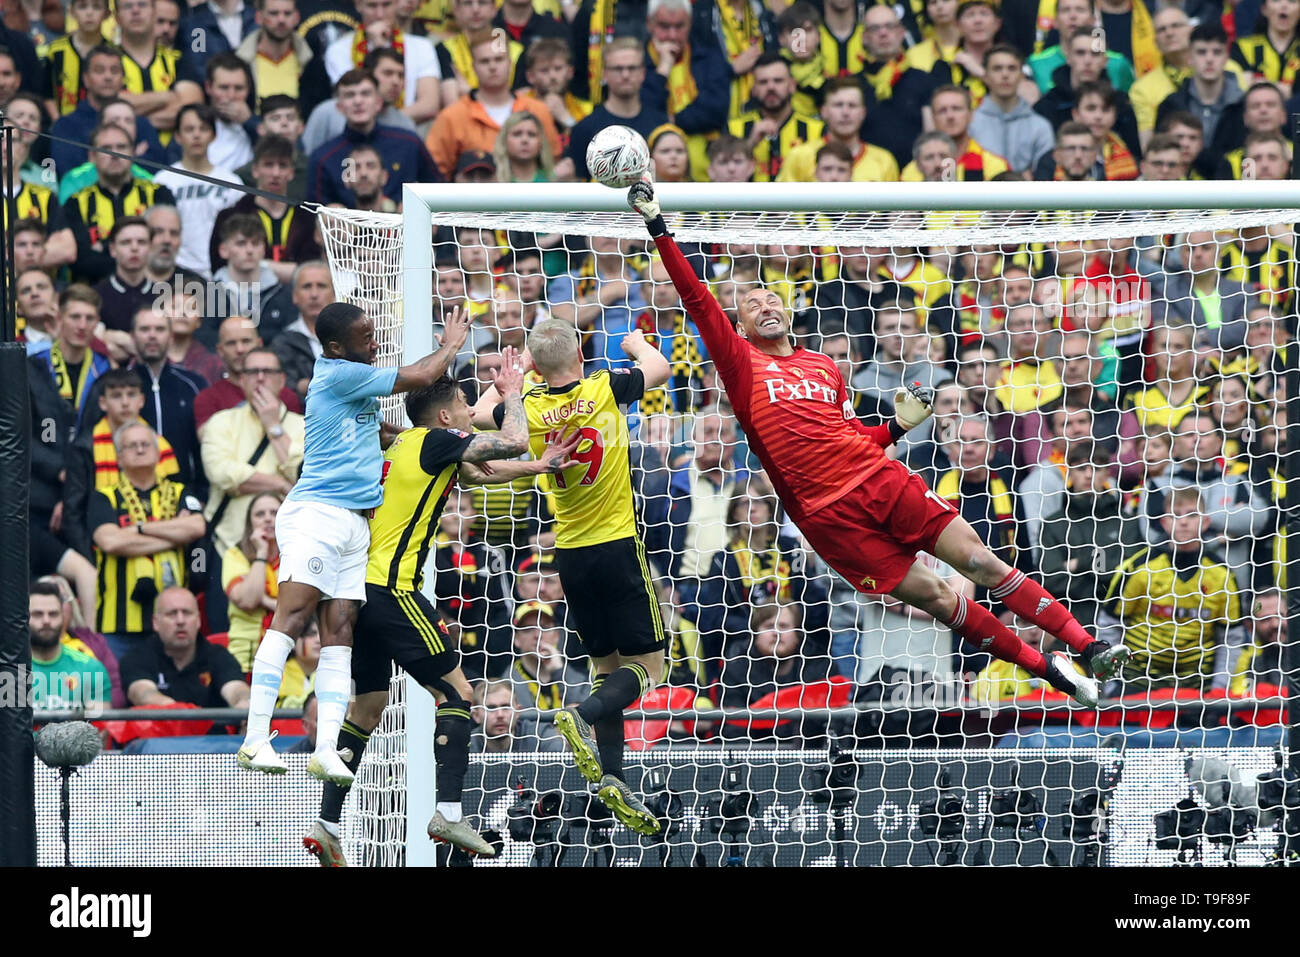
{"points": [[626, 806], [582, 742], [1106, 661], [1062, 676], [459, 834], [329, 766], [261, 757], [325, 847]]}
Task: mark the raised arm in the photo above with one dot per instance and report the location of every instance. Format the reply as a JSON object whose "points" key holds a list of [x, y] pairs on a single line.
{"points": [[512, 439], [555, 458], [726, 348], [654, 367], [434, 366]]}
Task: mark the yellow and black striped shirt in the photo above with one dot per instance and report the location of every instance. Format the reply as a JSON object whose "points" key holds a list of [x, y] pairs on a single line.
{"points": [[419, 473], [770, 152], [593, 499], [117, 612], [1256, 54], [1173, 616], [1268, 271], [845, 57], [64, 83], [100, 209], [32, 202]]}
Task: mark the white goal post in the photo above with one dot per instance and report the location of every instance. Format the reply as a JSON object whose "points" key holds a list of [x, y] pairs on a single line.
{"points": [[386, 264]]}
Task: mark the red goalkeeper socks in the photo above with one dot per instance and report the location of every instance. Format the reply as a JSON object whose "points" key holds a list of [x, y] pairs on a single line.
{"points": [[978, 627], [1031, 602]]}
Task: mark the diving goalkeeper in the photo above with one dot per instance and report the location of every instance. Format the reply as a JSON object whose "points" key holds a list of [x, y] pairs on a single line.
{"points": [[865, 514]]}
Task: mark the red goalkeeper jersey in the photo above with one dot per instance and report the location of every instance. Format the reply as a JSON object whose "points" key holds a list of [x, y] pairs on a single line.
{"points": [[795, 410]]}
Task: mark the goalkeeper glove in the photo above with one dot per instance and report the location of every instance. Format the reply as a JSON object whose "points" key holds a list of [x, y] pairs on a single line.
{"points": [[913, 404], [641, 197]]}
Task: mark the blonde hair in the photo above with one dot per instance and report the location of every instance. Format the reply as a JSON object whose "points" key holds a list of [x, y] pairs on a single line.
{"points": [[553, 344], [545, 158]]}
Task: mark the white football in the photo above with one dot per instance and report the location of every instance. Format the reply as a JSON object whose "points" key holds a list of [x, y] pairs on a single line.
{"points": [[618, 156]]}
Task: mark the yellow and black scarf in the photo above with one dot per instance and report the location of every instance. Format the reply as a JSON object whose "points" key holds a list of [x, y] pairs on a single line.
{"points": [[63, 378], [166, 568]]}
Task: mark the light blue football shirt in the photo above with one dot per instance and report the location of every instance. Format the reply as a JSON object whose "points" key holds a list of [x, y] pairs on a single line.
{"points": [[342, 461]]}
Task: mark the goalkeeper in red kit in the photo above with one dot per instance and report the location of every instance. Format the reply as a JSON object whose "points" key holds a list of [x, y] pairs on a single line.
{"points": [[865, 514]]}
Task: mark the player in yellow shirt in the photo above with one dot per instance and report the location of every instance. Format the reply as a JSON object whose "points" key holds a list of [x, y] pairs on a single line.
{"points": [[397, 623], [598, 550]]}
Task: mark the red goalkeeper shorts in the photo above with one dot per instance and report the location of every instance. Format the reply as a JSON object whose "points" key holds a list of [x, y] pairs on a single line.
{"points": [[872, 534]]}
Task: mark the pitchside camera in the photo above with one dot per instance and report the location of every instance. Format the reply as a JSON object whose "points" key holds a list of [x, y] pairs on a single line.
{"points": [[738, 801], [533, 818], [1180, 827], [944, 817], [662, 803]]}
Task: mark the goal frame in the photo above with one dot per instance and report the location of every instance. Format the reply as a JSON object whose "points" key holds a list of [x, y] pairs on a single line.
{"points": [[421, 201]]}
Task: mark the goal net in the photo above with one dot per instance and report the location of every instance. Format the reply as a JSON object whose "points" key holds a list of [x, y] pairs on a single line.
{"points": [[1110, 417]]}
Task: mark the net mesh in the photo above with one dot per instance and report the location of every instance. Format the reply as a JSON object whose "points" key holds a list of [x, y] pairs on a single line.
{"points": [[1087, 367]]}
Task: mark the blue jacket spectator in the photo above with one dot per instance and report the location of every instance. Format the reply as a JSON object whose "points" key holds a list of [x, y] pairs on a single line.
{"points": [[200, 37], [80, 123]]}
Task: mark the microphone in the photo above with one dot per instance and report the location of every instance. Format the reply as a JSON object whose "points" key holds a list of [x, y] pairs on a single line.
{"points": [[68, 744]]}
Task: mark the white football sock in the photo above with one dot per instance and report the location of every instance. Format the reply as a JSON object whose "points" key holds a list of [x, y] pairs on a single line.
{"points": [[268, 672], [333, 690], [450, 810], [330, 826]]}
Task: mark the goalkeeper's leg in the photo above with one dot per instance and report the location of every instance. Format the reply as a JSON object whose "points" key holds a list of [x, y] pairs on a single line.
{"points": [[976, 625], [960, 547]]}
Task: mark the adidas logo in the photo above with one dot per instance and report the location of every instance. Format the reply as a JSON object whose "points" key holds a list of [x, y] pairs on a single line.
{"points": [[1042, 603], [773, 367], [986, 643]]}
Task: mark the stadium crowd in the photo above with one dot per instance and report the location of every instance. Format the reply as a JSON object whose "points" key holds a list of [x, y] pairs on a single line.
{"points": [[1108, 413]]}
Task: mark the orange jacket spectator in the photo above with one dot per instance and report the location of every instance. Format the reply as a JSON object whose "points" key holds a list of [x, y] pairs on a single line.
{"points": [[466, 125]]}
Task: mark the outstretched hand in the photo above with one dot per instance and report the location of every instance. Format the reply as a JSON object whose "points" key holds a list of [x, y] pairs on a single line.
{"points": [[555, 457], [641, 197], [455, 329], [509, 379], [913, 404]]}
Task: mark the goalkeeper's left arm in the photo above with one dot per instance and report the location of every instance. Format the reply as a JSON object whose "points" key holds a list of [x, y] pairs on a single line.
{"points": [[913, 404]]}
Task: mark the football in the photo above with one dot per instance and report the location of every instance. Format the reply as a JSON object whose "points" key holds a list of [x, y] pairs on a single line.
{"points": [[618, 157]]}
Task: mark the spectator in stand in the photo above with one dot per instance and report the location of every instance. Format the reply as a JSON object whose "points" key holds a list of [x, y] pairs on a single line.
{"points": [[522, 153], [1230, 405], [1261, 663], [951, 108], [164, 246], [978, 23], [128, 288], [92, 458], [142, 529], [213, 28], [290, 230], [1075, 157], [1096, 108], [774, 128], [79, 637], [1267, 156], [1202, 297], [257, 446], [422, 93], [32, 201], [105, 82], [526, 26], [1270, 54], [229, 88], [844, 111], [1162, 160], [690, 79], [980, 492], [1173, 37], [91, 212], [1236, 516], [1175, 605], [475, 120], [548, 67], [275, 52], [1087, 539], [238, 335], [153, 84], [1004, 121], [197, 201], [499, 727], [468, 589], [934, 156], [1264, 112], [1211, 92], [625, 72], [281, 116], [167, 21], [1113, 302], [176, 664], [70, 358], [1175, 390], [1085, 62], [29, 245], [670, 158], [65, 63], [64, 676], [542, 677], [1042, 491], [757, 566], [327, 120], [173, 391], [249, 285], [770, 657], [249, 569], [1029, 379], [925, 448], [405, 157], [38, 307], [367, 177], [602, 294], [298, 346], [701, 492], [185, 352], [730, 160], [885, 374], [1072, 15]]}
